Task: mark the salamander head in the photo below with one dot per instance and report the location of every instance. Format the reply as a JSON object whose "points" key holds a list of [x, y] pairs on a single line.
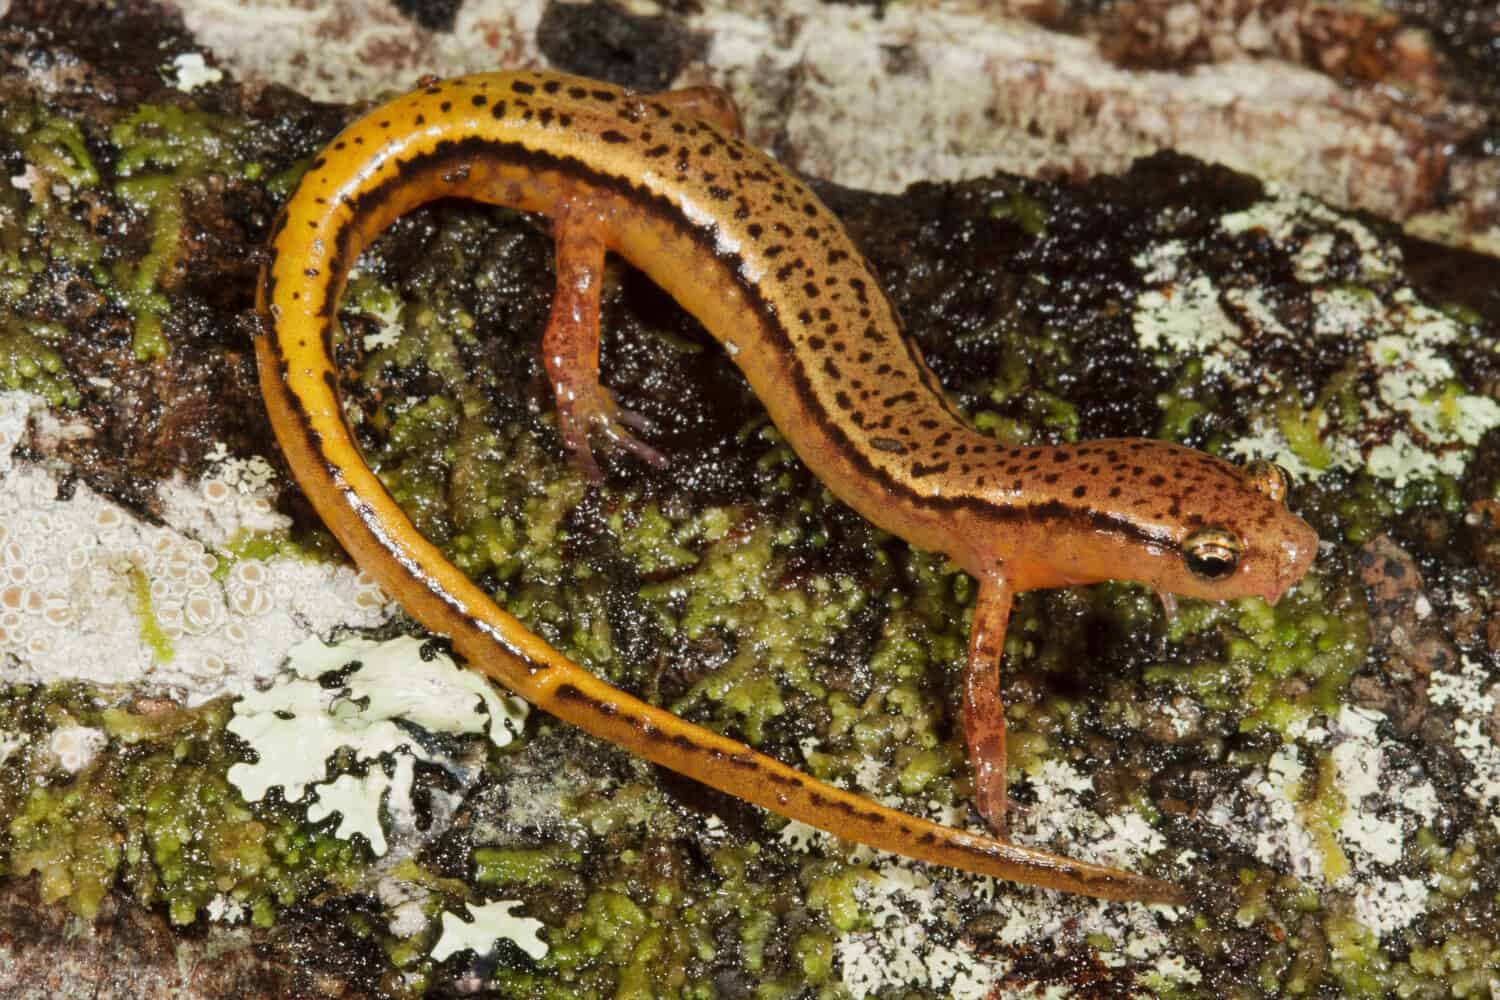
{"points": [[1178, 520]]}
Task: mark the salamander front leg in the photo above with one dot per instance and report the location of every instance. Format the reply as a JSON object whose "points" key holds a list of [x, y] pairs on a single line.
{"points": [[570, 348], [983, 711]]}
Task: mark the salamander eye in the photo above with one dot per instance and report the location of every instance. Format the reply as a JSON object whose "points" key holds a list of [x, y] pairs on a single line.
{"points": [[1211, 553], [1267, 478]]}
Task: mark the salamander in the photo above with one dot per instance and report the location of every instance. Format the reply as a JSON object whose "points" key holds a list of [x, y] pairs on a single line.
{"points": [[666, 182]]}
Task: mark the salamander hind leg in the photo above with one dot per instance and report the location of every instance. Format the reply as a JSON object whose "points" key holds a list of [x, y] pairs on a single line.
{"points": [[983, 711], [570, 349]]}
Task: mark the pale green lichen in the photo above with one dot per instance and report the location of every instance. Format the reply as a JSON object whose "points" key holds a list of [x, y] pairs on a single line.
{"points": [[189, 70], [487, 925], [359, 697]]}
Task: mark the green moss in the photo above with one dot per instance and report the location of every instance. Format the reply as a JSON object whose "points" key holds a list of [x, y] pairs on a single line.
{"points": [[139, 281], [1365, 508], [1302, 430], [1006, 430], [38, 225], [1323, 815], [1281, 664], [53, 144], [1021, 208], [67, 838], [28, 362], [1023, 382], [153, 815], [921, 637], [169, 138], [654, 543], [263, 545], [833, 891], [281, 184], [814, 952], [1321, 948], [647, 930], [923, 770], [163, 149], [780, 633], [1178, 417], [1184, 403]]}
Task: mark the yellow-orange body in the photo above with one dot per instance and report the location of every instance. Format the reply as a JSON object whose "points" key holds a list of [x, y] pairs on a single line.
{"points": [[747, 249]]}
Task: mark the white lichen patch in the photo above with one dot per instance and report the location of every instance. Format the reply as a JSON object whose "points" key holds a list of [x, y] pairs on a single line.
{"points": [[356, 801], [1311, 229], [75, 747], [1059, 818], [1268, 442], [1130, 835], [1403, 415], [382, 690], [405, 902], [904, 906], [489, 924], [1416, 383], [914, 940], [1348, 842], [1381, 806], [9, 744], [1388, 905], [1161, 262], [231, 500], [798, 836], [1169, 971], [224, 909], [1472, 692], [379, 303], [31, 180], [190, 70], [80, 574], [1281, 837]]}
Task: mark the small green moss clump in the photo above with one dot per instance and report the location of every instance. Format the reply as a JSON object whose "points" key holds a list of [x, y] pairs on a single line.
{"points": [[27, 361]]}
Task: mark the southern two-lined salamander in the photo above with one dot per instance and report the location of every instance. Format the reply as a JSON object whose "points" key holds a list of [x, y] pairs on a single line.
{"points": [[665, 181]]}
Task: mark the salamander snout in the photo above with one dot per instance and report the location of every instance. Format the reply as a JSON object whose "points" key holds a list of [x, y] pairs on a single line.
{"points": [[1295, 551]]}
